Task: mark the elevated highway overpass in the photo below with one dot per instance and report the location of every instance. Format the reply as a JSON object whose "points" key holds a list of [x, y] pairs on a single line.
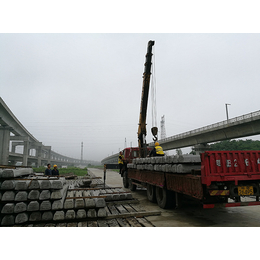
{"points": [[242, 126], [14, 134]]}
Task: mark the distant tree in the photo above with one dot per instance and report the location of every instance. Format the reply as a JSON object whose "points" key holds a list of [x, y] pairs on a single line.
{"points": [[236, 145]]}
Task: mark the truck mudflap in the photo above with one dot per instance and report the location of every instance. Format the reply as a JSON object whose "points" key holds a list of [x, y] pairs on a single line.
{"points": [[232, 204]]}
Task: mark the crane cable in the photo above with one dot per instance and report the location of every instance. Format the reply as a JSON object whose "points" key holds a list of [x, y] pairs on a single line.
{"points": [[153, 99]]}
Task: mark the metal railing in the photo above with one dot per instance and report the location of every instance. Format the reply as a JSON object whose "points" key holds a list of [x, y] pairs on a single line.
{"points": [[213, 126]]}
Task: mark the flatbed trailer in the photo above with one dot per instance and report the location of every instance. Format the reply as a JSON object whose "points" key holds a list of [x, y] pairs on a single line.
{"points": [[214, 178]]}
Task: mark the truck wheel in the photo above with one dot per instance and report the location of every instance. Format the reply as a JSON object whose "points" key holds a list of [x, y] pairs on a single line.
{"points": [[165, 198], [132, 186], [150, 191], [125, 180]]}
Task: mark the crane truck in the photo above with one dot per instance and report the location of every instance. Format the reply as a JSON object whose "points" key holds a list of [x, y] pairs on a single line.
{"points": [[213, 178]]}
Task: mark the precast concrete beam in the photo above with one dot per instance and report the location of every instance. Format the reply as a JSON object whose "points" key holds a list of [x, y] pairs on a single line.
{"points": [[34, 195], [20, 207], [48, 215], [45, 205], [15, 173], [35, 216]]}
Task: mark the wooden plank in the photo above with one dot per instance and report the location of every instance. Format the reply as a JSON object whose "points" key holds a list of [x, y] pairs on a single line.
{"points": [[113, 210], [136, 214], [133, 201], [72, 224], [122, 222], [85, 197], [137, 207], [112, 223], [102, 223], [83, 224], [108, 211], [129, 208], [144, 222], [61, 224], [133, 222], [121, 209], [92, 224], [50, 225]]}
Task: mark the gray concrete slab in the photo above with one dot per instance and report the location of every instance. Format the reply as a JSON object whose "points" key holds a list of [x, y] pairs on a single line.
{"points": [[79, 203], [102, 213], [59, 215], [21, 185], [21, 218], [57, 184], [8, 208], [58, 194], [91, 213], [47, 216], [8, 196], [90, 203], [8, 185], [70, 214], [34, 195], [45, 205], [81, 213], [7, 220], [35, 216], [33, 206], [21, 196], [69, 204], [20, 207], [11, 173], [45, 184], [34, 185], [59, 204], [45, 195]]}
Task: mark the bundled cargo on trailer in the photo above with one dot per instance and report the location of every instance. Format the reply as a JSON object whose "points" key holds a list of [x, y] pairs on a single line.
{"points": [[215, 178]]}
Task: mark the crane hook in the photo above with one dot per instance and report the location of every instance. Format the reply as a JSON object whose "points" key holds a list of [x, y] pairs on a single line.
{"points": [[154, 131]]}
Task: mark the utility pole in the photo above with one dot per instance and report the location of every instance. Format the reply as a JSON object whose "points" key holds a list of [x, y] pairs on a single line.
{"points": [[81, 152], [227, 111], [163, 130]]}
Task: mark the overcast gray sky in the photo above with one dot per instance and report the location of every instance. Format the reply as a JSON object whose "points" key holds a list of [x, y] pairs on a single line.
{"points": [[72, 88]]}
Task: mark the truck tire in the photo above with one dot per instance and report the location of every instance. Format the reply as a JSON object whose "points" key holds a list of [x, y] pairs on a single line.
{"points": [[125, 180], [165, 198], [132, 186], [151, 194]]}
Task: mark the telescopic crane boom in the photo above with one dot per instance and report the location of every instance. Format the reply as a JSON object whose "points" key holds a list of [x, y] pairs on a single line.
{"points": [[144, 100]]}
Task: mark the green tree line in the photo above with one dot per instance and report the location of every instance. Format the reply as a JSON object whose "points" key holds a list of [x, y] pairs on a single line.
{"points": [[235, 145]]}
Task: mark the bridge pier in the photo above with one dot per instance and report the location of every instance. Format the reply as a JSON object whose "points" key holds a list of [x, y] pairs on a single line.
{"points": [[201, 148], [25, 152], [4, 145]]}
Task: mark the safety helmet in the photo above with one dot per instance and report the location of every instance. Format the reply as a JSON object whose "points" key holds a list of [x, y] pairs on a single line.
{"points": [[54, 165], [156, 144]]}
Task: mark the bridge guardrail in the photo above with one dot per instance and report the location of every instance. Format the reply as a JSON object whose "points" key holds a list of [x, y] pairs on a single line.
{"points": [[222, 123]]}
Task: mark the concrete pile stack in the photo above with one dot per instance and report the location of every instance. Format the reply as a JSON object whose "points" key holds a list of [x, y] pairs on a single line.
{"points": [[29, 199], [116, 194], [171, 164], [79, 204]]}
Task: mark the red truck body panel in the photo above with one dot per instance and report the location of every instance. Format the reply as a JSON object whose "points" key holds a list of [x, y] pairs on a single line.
{"points": [[230, 166]]}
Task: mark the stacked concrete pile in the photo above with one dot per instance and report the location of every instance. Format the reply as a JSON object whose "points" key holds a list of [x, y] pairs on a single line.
{"points": [[29, 199], [113, 194], [79, 204], [171, 164]]}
